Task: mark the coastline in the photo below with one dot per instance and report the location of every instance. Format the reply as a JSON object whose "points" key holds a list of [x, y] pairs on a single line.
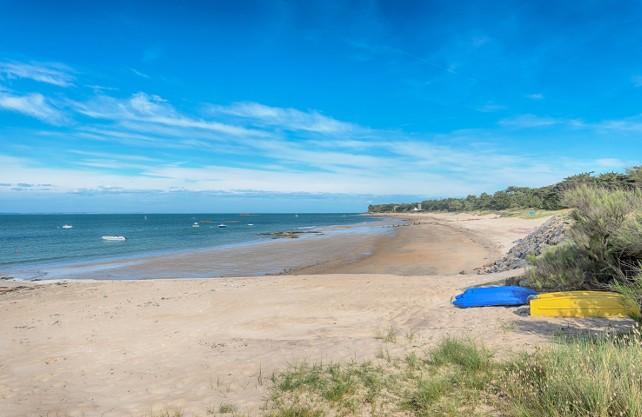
{"points": [[399, 244], [250, 258], [139, 347]]}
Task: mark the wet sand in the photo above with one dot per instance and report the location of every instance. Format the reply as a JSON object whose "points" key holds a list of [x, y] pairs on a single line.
{"points": [[133, 348]]}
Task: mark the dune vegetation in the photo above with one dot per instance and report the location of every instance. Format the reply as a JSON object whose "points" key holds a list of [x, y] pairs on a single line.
{"points": [[597, 376]]}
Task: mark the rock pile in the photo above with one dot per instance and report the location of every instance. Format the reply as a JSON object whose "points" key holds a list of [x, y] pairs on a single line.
{"points": [[552, 232]]}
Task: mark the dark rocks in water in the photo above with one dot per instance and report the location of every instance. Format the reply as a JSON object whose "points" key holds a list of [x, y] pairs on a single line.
{"points": [[290, 234], [552, 232]]}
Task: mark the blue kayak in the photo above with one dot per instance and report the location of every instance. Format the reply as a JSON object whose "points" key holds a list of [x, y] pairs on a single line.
{"points": [[494, 296]]}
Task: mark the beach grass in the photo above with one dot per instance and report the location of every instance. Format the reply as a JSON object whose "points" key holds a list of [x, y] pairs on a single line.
{"points": [[591, 376], [599, 376], [533, 213]]}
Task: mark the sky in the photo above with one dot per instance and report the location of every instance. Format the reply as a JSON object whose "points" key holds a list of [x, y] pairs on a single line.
{"points": [[309, 106]]}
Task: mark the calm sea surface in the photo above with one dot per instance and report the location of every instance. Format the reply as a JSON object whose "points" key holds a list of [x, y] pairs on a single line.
{"points": [[40, 239]]}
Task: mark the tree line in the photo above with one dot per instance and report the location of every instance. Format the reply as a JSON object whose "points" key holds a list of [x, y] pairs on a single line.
{"points": [[546, 198]]}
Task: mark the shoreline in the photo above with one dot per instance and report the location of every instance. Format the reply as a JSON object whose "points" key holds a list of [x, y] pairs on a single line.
{"points": [[234, 259], [139, 347]]}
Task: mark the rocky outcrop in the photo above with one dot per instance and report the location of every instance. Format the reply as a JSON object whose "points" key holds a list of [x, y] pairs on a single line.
{"points": [[290, 234], [552, 232]]}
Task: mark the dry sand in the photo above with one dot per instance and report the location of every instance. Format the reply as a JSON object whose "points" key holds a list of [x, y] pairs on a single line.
{"points": [[121, 348]]}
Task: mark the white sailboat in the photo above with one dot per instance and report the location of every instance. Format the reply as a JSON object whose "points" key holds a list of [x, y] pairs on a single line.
{"points": [[67, 226]]}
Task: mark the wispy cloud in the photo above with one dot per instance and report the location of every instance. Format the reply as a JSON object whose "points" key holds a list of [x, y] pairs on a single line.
{"points": [[34, 105], [613, 163], [535, 121], [155, 110], [490, 107], [535, 96], [285, 118], [139, 73], [50, 73]]}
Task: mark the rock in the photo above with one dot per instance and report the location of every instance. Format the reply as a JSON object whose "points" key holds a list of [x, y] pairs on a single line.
{"points": [[290, 234], [552, 232]]}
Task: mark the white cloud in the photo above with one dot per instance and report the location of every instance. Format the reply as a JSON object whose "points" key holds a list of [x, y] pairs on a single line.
{"points": [[49, 73], [612, 163], [34, 105], [139, 73], [534, 121], [155, 110], [285, 118]]}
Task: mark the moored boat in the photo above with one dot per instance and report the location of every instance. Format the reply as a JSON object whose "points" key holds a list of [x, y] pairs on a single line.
{"points": [[107, 237], [582, 304], [67, 226], [221, 226]]}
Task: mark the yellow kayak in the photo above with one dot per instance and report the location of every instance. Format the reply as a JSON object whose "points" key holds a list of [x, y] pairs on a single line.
{"points": [[582, 304]]}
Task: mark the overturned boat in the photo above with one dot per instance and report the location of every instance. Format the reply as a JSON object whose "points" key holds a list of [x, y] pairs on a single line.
{"points": [[582, 304], [505, 295]]}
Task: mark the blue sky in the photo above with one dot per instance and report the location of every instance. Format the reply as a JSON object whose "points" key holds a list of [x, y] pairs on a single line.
{"points": [[309, 106]]}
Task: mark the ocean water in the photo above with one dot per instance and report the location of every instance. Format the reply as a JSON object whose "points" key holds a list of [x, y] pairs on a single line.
{"points": [[31, 240]]}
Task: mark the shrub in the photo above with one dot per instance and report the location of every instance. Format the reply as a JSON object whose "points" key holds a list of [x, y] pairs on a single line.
{"points": [[606, 241]]}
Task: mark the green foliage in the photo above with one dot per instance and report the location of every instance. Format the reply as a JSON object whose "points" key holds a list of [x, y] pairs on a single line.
{"points": [[593, 376], [605, 241], [445, 382], [469, 357], [297, 411], [226, 408], [631, 290], [543, 198], [559, 268]]}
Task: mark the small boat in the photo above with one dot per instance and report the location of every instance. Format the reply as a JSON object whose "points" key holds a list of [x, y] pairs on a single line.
{"points": [[506, 295], [196, 224], [250, 224], [582, 304], [221, 226], [114, 238], [67, 226]]}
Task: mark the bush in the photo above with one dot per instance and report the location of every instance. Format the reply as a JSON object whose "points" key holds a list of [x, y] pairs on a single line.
{"points": [[605, 241]]}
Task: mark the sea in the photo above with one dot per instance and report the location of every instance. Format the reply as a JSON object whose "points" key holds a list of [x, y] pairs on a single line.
{"points": [[33, 242]]}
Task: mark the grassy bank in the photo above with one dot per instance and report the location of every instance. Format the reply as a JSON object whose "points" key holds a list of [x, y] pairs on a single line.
{"points": [[590, 377]]}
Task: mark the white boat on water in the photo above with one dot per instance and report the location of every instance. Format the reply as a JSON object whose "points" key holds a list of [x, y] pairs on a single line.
{"points": [[67, 226], [114, 238], [250, 224], [196, 224], [221, 226]]}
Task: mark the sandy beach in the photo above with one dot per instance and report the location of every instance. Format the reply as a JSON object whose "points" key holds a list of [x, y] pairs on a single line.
{"points": [[134, 348]]}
